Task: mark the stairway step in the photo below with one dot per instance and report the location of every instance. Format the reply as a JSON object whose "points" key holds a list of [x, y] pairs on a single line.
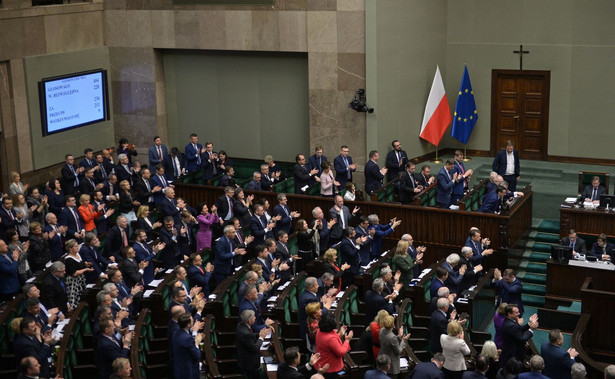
{"points": [[546, 237], [541, 247], [574, 307], [549, 226], [534, 267], [532, 277], [533, 300], [534, 289], [538, 257]]}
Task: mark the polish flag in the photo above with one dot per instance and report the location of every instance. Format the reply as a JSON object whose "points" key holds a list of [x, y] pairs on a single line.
{"points": [[437, 116]]}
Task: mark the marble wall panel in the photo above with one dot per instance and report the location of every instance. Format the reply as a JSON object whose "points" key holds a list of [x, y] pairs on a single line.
{"points": [[212, 30], [351, 32], [265, 31], [293, 31], [351, 71], [163, 29], [186, 29], [290, 5], [322, 31], [115, 28], [322, 69], [74, 31], [139, 28], [350, 5], [238, 30], [322, 5]]}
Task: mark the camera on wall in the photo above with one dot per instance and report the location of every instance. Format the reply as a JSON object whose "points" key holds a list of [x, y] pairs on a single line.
{"points": [[359, 103]]}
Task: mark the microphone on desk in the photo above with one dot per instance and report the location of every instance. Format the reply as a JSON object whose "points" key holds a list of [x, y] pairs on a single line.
{"points": [[608, 204]]}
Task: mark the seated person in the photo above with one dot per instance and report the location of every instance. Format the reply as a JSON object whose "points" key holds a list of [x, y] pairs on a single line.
{"points": [[602, 248], [576, 243], [591, 193]]}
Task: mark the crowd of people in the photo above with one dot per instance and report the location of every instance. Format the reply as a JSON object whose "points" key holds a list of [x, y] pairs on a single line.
{"points": [[47, 228]]}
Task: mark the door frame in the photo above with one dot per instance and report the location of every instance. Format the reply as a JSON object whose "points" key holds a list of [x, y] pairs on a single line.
{"points": [[494, 75]]}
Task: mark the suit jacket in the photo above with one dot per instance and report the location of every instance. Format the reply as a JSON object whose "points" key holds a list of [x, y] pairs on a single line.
{"points": [[142, 193], [491, 203], [469, 278], [70, 218], [454, 278], [588, 190], [210, 166], [302, 177], [499, 162], [124, 174], [107, 351], [257, 227], [168, 207], [143, 252], [253, 185], [350, 255], [473, 375], [109, 189], [405, 264], [248, 348], [381, 232], [222, 203], [130, 272], [459, 186], [407, 184], [227, 180], [114, 243], [186, 356], [535, 375], [198, 278], [437, 327], [245, 304], [373, 177], [306, 298], [266, 182], [514, 338], [436, 284], [287, 372], [170, 255], [445, 187], [324, 235], [8, 272], [416, 271], [314, 162], [169, 170], [510, 293], [557, 361], [70, 179], [154, 158], [454, 350], [426, 370], [375, 374], [25, 346], [393, 163], [99, 263], [224, 257], [365, 252], [286, 222], [422, 180], [86, 186], [343, 173], [336, 230], [477, 250], [8, 223], [56, 248], [597, 251], [193, 157], [374, 303], [53, 295], [578, 246]]}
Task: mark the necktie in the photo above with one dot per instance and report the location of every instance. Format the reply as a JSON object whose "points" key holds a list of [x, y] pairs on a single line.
{"points": [[72, 169], [411, 180], [398, 157], [124, 237], [175, 167], [102, 171], [239, 238], [77, 223], [594, 195], [449, 174], [62, 285], [342, 218], [201, 270], [198, 154], [160, 153], [347, 168]]}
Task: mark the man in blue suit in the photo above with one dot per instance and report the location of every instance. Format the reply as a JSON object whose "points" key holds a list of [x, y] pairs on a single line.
{"points": [[381, 232], [446, 180], [350, 254], [509, 286], [315, 161], [558, 362], [146, 253], [26, 344], [210, 162], [159, 179], [373, 174], [429, 370], [537, 364], [9, 219], [344, 167], [193, 152], [363, 229], [89, 252], [156, 153], [310, 295], [70, 218], [260, 228], [285, 223], [602, 248], [375, 301], [9, 277], [514, 335], [383, 364], [251, 300], [438, 324], [493, 201], [186, 351], [438, 281], [462, 185], [199, 275], [506, 164], [225, 252], [478, 246]]}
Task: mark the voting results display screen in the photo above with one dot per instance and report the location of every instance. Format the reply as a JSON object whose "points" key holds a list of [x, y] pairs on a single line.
{"points": [[74, 100]]}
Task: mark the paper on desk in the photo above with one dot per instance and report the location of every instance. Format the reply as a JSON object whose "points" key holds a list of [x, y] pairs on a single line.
{"points": [[272, 299], [148, 293], [91, 285], [272, 367], [403, 362], [265, 346], [266, 359], [339, 294], [570, 200], [169, 271], [155, 283]]}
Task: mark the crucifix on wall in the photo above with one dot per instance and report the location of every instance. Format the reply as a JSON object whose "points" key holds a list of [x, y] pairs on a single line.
{"points": [[521, 52]]}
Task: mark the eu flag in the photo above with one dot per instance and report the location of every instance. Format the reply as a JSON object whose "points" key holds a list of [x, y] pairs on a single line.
{"points": [[465, 110]]}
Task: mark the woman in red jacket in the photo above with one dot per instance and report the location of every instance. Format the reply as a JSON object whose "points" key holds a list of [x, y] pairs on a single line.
{"points": [[330, 346], [88, 214]]}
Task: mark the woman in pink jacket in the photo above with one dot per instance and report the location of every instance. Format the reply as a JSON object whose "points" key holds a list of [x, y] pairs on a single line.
{"points": [[330, 346]]}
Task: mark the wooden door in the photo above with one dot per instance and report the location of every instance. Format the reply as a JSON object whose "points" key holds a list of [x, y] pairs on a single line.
{"points": [[520, 111]]}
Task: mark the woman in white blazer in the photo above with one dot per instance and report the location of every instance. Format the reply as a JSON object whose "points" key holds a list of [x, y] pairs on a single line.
{"points": [[454, 348]]}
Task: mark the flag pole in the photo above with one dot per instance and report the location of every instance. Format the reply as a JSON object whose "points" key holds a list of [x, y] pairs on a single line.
{"points": [[436, 159], [465, 156]]}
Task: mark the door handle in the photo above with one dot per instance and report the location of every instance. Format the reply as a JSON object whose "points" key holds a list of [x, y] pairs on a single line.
{"points": [[516, 117]]}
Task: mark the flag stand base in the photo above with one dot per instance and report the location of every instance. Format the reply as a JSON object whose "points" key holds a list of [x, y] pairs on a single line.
{"points": [[436, 160], [467, 159], [465, 155]]}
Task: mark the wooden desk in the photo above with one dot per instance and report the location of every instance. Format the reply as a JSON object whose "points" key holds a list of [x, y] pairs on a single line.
{"points": [[585, 221], [481, 303], [564, 281]]}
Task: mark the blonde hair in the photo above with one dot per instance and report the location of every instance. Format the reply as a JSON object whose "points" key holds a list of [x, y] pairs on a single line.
{"points": [[256, 267], [329, 255], [490, 350], [123, 183], [14, 174], [141, 211], [83, 198], [380, 316], [454, 328], [312, 308], [502, 308], [402, 248], [388, 322]]}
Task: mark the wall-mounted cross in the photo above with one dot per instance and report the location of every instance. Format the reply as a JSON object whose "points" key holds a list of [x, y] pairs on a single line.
{"points": [[521, 52]]}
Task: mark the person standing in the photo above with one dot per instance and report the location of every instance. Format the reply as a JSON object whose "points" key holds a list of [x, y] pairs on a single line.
{"points": [[186, 352], [248, 345], [396, 160], [343, 166], [506, 163], [514, 336], [373, 173], [558, 362], [462, 185], [446, 180]]}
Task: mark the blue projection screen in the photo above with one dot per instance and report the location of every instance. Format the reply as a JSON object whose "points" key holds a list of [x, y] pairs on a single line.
{"points": [[73, 100]]}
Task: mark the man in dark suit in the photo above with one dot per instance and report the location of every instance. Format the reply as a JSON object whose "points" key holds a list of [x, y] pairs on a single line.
{"points": [[493, 201], [303, 174], [53, 289], [87, 184], [225, 252], [55, 234], [455, 272], [446, 181], [323, 229], [168, 206], [315, 161], [174, 164], [514, 335], [225, 204], [383, 365], [9, 219], [344, 167], [408, 186], [506, 164], [70, 175], [109, 348], [592, 192], [228, 179], [69, 217], [285, 222], [260, 228], [375, 301], [438, 281], [124, 171], [199, 275], [145, 189], [464, 175], [210, 162], [252, 299], [396, 160], [186, 350], [29, 368], [193, 152], [472, 271], [26, 344], [249, 344], [266, 181], [156, 153], [290, 368], [9, 285], [478, 246], [170, 255], [424, 177], [110, 188], [480, 368], [537, 364], [363, 229], [89, 252], [342, 214], [310, 295], [602, 248], [576, 243], [117, 238], [350, 254], [255, 183], [373, 174], [88, 159], [429, 370], [510, 288], [438, 323], [558, 361], [132, 272], [144, 252], [160, 180], [100, 173]]}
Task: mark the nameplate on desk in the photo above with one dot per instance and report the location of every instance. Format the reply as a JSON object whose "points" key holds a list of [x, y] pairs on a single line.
{"points": [[596, 265]]}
